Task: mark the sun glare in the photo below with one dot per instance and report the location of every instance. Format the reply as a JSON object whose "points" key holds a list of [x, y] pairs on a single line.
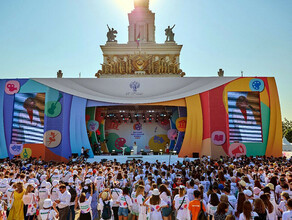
{"points": [[125, 5]]}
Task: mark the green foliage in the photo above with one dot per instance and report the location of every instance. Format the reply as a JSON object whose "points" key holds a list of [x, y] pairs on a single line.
{"points": [[286, 126], [288, 136]]}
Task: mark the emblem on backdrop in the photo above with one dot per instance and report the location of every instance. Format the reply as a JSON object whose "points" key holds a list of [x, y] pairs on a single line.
{"points": [[134, 85], [12, 87], [256, 85]]}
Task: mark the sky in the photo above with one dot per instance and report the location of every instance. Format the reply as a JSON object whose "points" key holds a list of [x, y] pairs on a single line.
{"points": [[38, 37]]}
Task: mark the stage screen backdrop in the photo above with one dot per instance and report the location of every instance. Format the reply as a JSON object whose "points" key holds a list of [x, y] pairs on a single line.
{"points": [[28, 118], [244, 117]]}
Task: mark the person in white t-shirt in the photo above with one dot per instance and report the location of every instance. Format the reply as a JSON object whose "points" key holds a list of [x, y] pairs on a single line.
{"points": [[106, 204], [85, 206], [29, 201], [155, 204], [165, 195], [288, 214], [49, 210], [116, 192], [140, 200], [125, 203], [247, 213], [181, 203], [44, 193]]}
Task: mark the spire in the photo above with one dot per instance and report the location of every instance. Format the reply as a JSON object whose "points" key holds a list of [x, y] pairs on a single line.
{"points": [[141, 3]]}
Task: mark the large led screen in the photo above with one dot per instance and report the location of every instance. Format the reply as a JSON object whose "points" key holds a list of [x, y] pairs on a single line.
{"points": [[244, 117], [28, 118]]}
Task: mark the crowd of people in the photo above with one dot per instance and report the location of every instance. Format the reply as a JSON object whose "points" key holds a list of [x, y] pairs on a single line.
{"points": [[227, 188]]}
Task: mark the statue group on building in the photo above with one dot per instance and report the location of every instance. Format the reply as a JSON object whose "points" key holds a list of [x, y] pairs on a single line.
{"points": [[169, 34], [111, 34]]}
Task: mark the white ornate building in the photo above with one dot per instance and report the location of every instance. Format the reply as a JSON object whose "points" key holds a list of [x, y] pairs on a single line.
{"points": [[141, 56]]}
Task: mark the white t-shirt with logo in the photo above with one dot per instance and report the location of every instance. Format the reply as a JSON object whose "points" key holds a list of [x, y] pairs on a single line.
{"points": [[85, 207], [48, 214], [155, 210], [182, 210], [125, 201]]}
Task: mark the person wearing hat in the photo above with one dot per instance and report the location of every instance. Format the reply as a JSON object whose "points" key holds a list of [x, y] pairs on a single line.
{"points": [[256, 192], [283, 204], [49, 210], [248, 195], [94, 201], [106, 204], [72, 190], [181, 203], [43, 193], [155, 204], [85, 205], [55, 190], [116, 192]]}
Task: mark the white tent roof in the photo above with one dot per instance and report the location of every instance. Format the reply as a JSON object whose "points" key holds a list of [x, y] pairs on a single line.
{"points": [[287, 146]]}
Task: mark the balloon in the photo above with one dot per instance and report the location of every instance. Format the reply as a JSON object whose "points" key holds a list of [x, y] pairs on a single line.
{"points": [[92, 125], [172, 134]]}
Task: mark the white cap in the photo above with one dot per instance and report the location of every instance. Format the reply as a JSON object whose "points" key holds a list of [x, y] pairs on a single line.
{"points": [[155, 192], [48, 185], [56, 171], [44, 184], [5, 181], [89, 171], [75, 172], [48, 203], [70, 180], [247, 192], [55, 182], [88, 181]]}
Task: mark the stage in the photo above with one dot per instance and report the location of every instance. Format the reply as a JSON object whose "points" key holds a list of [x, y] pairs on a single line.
{"points": [[144, 158]]}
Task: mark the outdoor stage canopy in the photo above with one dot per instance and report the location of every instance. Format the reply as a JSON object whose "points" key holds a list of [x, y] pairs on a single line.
{"points": [[213, 116]]}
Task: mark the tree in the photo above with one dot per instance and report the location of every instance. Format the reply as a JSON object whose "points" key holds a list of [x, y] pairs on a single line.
{"points": [[289, 136], [286, 126]]}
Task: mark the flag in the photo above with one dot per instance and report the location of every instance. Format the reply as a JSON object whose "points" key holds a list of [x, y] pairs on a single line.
{"points": [[138, 40]]}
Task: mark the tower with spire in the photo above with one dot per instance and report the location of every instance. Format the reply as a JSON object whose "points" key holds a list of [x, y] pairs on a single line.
{"points": [[141, 56]]}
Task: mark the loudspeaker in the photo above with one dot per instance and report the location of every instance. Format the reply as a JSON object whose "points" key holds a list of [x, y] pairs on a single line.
{"points": [[156, 153], [144, 153], [114, 153], [195, 155], [127, 153]]}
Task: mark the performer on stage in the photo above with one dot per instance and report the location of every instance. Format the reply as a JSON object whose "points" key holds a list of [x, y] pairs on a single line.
{"points": [[167, 148], [135, 148]]}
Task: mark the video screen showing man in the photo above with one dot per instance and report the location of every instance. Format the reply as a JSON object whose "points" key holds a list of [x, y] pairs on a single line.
{"points": [[244, 117], [28, 118]]}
